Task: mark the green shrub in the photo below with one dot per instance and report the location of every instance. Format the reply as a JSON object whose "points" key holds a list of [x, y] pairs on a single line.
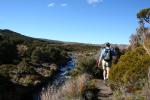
{"points": [[48, 54], [132, 67], [87, 65]]}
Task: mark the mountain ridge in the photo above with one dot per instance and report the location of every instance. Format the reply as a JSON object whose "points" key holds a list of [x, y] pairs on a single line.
{"points": [[10, 33]]}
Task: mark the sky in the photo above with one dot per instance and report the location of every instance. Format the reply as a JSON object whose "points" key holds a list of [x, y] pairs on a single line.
{"points": [[85, 21]]}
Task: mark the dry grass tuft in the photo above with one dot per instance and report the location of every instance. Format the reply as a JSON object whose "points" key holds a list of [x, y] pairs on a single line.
{"points": [[71, 90]]}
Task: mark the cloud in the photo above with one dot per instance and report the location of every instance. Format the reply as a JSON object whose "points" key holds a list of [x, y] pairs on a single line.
{"points": [[51, 4], [94, 2], [64, 4]]}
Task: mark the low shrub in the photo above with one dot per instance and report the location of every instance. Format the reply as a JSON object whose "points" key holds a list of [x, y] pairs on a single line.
{"points": [[24, 68], [87, 65], [131, 68]]}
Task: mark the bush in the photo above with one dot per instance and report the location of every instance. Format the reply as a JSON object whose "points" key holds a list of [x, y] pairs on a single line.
{"points": [[87, 65], [48, 54], [8, 52], [5, 70], [131, 68], [24, 68]]}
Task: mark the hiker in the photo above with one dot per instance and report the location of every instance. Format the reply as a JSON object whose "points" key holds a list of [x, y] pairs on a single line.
{"points": [[105, 59]]}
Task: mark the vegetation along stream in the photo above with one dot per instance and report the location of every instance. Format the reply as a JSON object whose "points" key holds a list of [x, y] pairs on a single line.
{"points": [[61, 76]]}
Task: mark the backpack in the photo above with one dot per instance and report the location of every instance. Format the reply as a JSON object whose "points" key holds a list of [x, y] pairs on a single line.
{"points": [[107, 55]]}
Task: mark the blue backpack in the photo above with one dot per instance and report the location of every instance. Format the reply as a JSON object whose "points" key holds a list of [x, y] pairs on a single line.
{"points": [[107, 55]]}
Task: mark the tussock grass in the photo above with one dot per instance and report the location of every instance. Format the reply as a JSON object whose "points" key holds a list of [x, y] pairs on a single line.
{"points": [[71, 90]]}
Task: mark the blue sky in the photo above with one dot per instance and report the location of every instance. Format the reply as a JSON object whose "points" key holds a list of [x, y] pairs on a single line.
{"points": [[86, 21]]}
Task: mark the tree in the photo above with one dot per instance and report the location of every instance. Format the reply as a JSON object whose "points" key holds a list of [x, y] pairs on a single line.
{"points": [[139, 37], [144, 15]]}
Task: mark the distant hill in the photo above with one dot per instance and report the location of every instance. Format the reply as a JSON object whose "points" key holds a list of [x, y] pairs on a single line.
{"points": [[11, 34], [15, 35]]}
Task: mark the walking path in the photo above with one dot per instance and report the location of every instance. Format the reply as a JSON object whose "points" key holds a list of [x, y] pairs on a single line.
{"points": [[105, 92]]}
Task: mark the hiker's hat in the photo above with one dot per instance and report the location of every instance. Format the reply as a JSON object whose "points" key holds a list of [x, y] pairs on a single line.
{"points": [[107, 44]]}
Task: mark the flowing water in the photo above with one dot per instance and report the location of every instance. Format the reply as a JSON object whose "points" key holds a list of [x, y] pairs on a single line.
{"points": [[62, 75]]}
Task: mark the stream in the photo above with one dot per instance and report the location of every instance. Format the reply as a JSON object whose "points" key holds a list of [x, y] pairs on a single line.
{"points": [[62, 75]]}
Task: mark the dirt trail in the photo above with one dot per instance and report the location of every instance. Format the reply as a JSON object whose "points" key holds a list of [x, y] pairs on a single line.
{"points": [[104, 91]]}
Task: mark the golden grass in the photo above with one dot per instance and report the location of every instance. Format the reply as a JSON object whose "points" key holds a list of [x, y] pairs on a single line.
{"points": [[71, 90]]}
